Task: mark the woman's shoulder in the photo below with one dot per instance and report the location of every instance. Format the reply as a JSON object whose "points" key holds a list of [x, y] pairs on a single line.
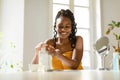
{"points": [[79, 42], [50, 41], [79, 38]]}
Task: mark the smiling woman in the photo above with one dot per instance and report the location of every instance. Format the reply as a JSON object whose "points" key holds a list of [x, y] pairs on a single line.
{"points": [[64, 26], [87, 20], [65, 48]]}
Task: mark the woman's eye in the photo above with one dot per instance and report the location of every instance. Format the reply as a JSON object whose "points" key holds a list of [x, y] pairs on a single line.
{"points": [[68, 26], [64, 27], [60, 26]]}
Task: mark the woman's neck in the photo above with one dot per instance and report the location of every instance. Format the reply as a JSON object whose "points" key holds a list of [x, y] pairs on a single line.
{"points": [[63, 41]]}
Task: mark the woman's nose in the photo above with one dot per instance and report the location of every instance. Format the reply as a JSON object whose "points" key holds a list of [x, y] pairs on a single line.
{"points": [[63, 29]]}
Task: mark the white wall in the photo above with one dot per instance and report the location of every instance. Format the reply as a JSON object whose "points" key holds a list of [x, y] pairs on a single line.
{"points": [[110, 11], [11, 22], [0, 14], [25, 22], [36, 27]]}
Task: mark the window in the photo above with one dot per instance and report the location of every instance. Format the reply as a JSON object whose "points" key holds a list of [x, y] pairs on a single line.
{"points": [[83, 12]]}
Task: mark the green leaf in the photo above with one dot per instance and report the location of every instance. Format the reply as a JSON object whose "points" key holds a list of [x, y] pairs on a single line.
{"points": [[12, 66], [12, 45], [1, 35], [119, 37], [118, 24], [110, 25], [113, 22], [116, 36]]}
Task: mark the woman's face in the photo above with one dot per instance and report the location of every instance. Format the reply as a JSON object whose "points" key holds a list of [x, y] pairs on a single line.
{"points": [[63, 27]]}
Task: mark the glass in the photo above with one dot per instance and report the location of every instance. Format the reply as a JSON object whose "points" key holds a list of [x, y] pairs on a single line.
{"points": [[82, 2], [36, 67], [61, 1], [82, 17], [116, 60], [86, 37], [42, 56]]}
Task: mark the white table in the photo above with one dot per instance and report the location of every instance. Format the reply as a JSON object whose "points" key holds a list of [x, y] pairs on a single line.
{"points": [[62, 75]]}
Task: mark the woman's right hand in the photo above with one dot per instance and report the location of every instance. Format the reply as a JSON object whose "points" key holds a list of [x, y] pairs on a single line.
{"points": [[39, 47]]}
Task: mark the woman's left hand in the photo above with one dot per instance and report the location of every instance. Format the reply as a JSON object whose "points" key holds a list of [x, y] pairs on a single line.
{"points": [[50, 49]]}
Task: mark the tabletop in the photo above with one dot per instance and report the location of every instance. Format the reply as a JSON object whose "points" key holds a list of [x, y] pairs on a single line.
{"points": [[63, 75]]}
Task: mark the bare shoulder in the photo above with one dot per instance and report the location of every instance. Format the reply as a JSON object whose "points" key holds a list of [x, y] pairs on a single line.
{"points": [[50, 41], [79, 38], [79, 42]]}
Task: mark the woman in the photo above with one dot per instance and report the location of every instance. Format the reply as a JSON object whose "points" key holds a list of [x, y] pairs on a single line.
{"points": [[65, 48]]}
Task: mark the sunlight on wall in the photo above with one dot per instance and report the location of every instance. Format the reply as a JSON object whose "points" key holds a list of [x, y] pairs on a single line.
{"points": [[11, 25]]}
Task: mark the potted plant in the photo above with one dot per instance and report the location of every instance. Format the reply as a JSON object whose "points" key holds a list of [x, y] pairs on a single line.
{"points": [[111, 26], [116, 56]]}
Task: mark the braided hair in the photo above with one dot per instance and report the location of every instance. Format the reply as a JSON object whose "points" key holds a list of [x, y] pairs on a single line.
{"points": [[72, 37]]}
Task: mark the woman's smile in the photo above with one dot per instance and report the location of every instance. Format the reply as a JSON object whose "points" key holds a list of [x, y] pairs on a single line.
{"points": [[63, 27]]}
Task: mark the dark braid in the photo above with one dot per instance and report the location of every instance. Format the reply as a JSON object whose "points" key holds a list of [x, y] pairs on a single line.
{"points": [[67, 13], [55, 35]]}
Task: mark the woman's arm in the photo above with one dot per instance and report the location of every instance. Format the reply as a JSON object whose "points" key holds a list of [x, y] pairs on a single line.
{"points": [[35, 59], [78, 51], [76, 57]]}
